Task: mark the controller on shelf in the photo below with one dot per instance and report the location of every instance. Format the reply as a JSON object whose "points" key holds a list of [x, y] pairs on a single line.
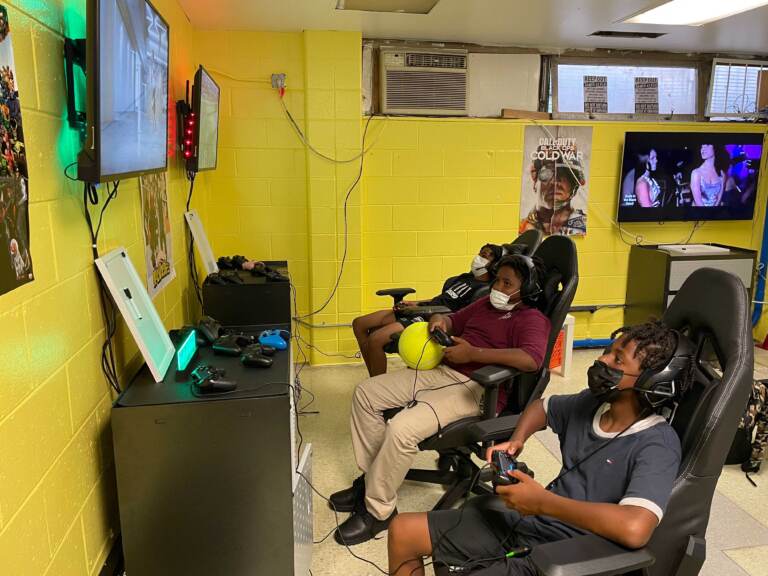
{"points": [[209, 380], [277, 339], [257, 356], [502, 464]]}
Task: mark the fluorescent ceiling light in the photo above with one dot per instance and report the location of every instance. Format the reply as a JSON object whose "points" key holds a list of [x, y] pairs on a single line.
{"points": [[396, 6], [693, 12]]}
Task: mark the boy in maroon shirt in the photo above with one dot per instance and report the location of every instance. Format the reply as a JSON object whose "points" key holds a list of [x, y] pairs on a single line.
{"points": [[503, 328]]}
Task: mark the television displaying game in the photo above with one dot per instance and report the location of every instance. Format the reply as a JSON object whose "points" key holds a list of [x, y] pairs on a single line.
{"points": [[127, 85], [689, 176], [205, 106]]}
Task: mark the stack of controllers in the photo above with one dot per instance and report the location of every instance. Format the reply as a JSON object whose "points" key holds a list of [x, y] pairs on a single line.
{"points": [[502, 464], [228, 267], [256, 351]]}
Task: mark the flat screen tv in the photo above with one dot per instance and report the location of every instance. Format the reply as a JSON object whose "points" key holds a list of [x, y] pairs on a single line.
{"points": [[127, 91], [689, 176], [205, 107]]}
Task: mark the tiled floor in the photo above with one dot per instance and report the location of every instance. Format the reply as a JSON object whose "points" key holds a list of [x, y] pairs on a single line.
{"points": [[737, 539]]}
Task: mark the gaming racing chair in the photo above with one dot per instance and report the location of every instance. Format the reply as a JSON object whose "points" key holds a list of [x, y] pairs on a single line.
{"points": [[712, 307], [458, 441], [525, 244]]}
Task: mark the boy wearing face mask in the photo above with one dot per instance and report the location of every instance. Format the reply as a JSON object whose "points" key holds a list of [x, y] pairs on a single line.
{"points": [[620, 460], [497, 329], [457, 293]]}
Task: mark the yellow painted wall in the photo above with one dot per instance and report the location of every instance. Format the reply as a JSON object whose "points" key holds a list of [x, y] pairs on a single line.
{"points": [[433, 189], [58, 512]]}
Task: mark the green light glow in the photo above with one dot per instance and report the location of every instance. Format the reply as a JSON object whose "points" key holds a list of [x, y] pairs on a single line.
{"points": [[186, 351]]}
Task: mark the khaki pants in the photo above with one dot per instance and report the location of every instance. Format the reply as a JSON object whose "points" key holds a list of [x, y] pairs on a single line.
{"points": [[384, 451]]}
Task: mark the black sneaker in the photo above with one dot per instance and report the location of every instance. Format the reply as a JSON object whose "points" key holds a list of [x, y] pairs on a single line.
{"points": [[360, 527], [345, 500]]}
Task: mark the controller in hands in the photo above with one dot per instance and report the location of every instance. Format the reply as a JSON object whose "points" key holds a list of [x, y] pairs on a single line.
{"points": [[502, 464], [442, 338]]}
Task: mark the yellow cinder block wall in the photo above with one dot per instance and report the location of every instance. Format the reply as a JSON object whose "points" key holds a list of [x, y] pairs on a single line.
{"points": [[433, 190], [58, 512]]}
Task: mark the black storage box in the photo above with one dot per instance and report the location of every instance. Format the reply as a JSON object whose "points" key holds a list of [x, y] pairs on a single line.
{"points": [[256, 301]]}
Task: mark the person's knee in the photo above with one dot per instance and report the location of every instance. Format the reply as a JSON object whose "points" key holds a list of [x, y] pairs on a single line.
{"points": [[407, 531], [402, 433], [359, 326]]}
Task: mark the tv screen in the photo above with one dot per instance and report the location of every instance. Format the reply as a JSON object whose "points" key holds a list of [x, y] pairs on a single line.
{"points": [[689, 176], [205, 106], [127, 63]]}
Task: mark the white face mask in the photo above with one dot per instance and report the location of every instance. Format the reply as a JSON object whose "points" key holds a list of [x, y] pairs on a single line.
{"points": [[479, 266], [500, 301]]}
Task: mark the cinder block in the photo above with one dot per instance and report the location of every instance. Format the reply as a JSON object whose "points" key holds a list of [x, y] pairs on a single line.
{"points": [[506, 217], [319, 297], [324, 274], [289, 246], [323, 220], [418, 163], [509, 163], [288, 191], [323, 247], [321, 193], [353, 244], [494, 190], [394, 133], [24, 549], [390, 191], [443, 190], [319, 74], [431, 218], [384, 244], [86, 382], [251, 132], [349, 135], [70, 558], [23, 55], [377, 218], [348, 104], [352, 275], [604, 163], [13, 358], [320, 104], [100, 520], [49, 71], [347, 72], [441, 134], [378, 163], [350, 300], [377, 270], [494, 135], [467, 217], [468, 163], [477, 238], [442, 243], [414, 270]]}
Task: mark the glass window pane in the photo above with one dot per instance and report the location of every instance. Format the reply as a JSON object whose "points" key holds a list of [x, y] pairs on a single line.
{"points": [[734, 89], [677, 87]]}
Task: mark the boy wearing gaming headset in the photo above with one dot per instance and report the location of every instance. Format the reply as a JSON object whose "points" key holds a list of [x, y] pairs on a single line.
{"points": [[502, 328], [620, 459]]}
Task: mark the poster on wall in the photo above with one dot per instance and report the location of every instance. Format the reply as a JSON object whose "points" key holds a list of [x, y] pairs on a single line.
{"points": [[15, 257], [157, 232], [555, 179], [646, 95], [595, 94]]}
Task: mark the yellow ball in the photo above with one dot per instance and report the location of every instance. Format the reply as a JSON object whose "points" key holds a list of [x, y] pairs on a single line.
{"points": [[417, 349]]}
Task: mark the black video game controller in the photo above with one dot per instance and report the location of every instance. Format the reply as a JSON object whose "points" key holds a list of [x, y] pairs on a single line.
{"points": [[502, 464], [442, 338], [209, 329], [254, 356], [232, 344], [209, 380], [231, 277]]}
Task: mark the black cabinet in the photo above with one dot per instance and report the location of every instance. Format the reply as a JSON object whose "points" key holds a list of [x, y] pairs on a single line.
{"points": [[257, 300], [656, 273], [208, 485]]}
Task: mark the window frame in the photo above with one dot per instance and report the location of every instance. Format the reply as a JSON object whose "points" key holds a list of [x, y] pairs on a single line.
{"points": [[645, 63], [733, 116]]}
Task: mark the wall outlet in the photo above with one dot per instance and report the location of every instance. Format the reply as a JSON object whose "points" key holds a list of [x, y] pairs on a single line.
{"points": [[278, 81]]}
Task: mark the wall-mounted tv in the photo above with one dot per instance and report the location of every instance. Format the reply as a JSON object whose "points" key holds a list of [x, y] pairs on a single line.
{"points": [[127, 91], [205, 107], [689, 176]]}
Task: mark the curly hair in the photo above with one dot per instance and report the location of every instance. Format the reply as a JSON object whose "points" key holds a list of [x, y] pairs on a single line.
{"points": [[655, 343]]}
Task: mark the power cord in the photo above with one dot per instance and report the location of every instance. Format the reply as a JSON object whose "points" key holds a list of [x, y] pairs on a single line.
{"points": [[191, 253]]}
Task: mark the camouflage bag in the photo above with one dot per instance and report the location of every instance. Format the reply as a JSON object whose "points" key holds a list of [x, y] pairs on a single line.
{"points": [[751, 441]]}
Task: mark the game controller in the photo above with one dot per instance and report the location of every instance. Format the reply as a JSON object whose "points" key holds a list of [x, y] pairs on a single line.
{"points": [[209, 329], [277, 339], [502, 464], [253, 355], [261, 269], [209, 380], [442, 338], [232, 344], [231, 277]]}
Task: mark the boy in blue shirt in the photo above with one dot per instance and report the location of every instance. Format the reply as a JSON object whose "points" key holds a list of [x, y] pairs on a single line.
{"points": [[620, 460]]}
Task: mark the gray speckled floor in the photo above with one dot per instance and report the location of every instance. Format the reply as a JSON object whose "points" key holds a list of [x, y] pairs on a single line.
{"points": [[737, 539]]}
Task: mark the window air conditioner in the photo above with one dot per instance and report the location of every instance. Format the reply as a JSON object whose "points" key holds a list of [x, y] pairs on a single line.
{"points": [[423, 82]]}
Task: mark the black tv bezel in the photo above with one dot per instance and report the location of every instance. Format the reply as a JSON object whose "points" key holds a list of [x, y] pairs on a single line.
{"points": [[89, 158], [193, 161], [634, 214]]}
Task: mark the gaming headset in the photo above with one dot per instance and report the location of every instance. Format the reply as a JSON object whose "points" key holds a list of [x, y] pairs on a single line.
{"points": [[660, 386], [530, 288]]}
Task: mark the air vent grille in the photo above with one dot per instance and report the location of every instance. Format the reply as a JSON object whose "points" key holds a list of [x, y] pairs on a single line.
{"points": [[428, 60], [426, 90]]}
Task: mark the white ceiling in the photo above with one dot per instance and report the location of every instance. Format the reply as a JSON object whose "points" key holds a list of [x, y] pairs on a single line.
{"points": [[539, 23]]}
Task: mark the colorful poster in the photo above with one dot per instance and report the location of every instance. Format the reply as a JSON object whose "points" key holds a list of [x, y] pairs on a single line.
{"points": [[157, 232], [15, 257], [555, 179]]}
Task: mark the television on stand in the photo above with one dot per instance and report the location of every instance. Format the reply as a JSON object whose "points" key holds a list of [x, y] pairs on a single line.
{"points": [[689, 176], [127, 53]]}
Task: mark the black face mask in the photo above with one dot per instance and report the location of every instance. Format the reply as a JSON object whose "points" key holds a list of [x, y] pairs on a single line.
{"points": [[603, 381]]}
